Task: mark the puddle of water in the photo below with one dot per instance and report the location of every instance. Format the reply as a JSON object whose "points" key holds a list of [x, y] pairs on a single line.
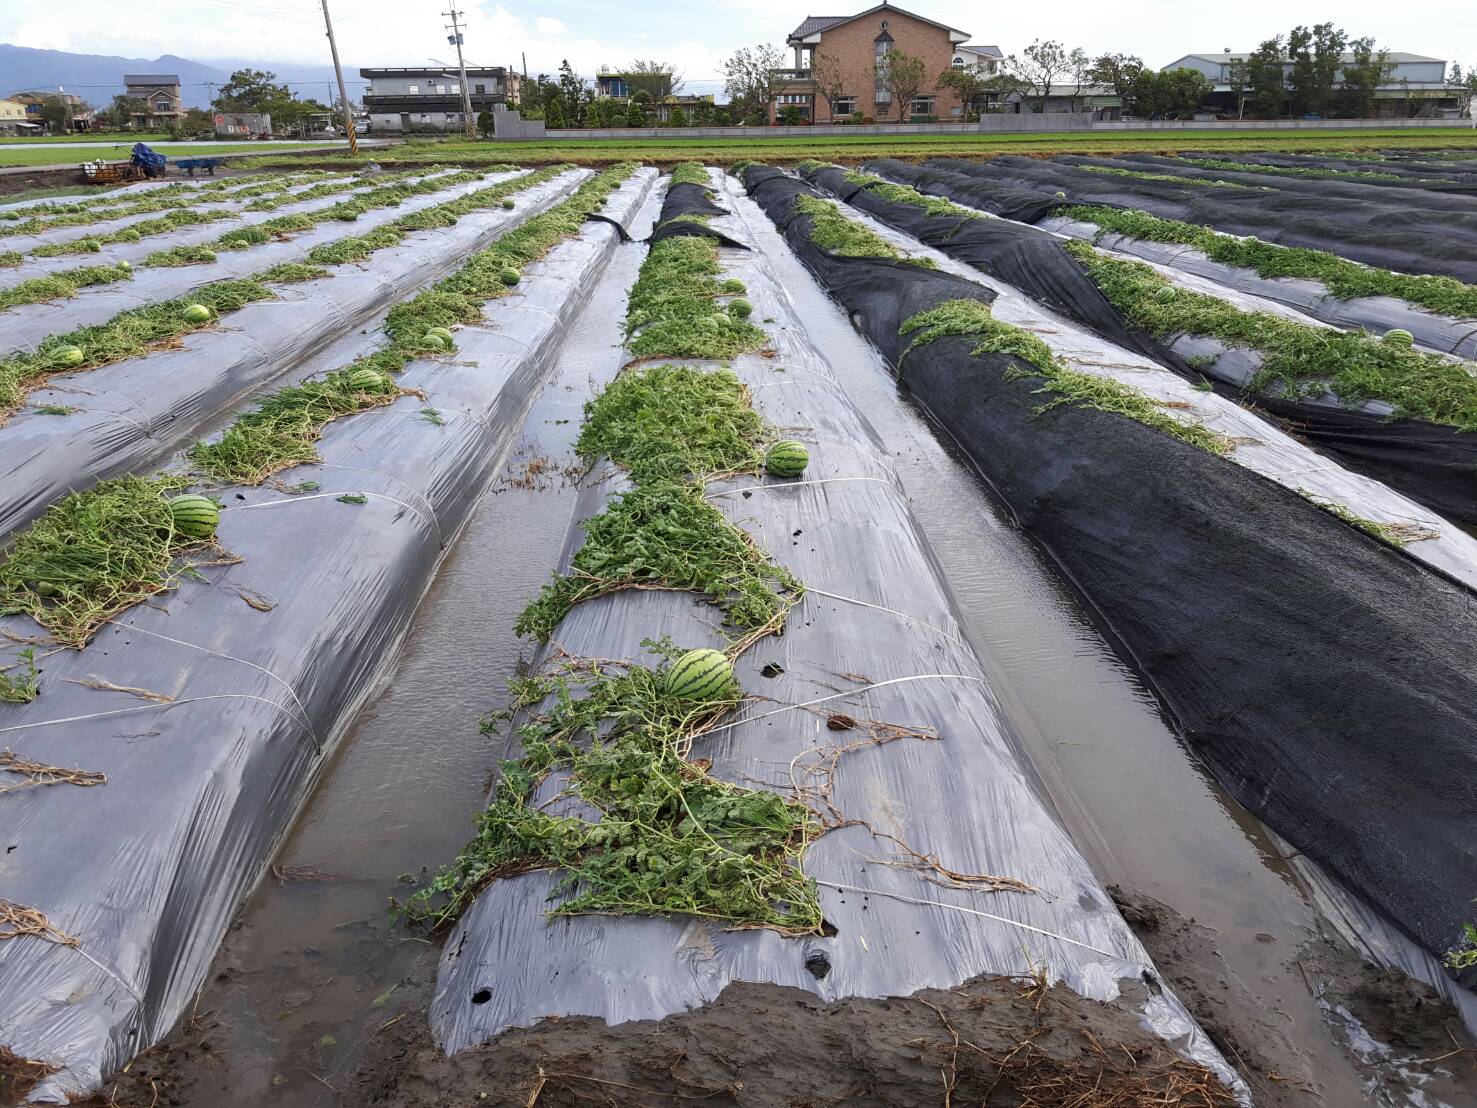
{"points": [[313, 968]]}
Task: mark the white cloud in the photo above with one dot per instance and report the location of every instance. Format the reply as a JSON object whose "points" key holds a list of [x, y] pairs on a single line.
{"points": [[546, 25]]}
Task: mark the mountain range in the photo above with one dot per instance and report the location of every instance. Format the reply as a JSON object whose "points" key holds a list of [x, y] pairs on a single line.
{"points": [[97, 78]]}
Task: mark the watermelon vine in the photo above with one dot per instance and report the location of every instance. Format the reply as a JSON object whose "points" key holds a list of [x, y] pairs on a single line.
{"points": [[669, 837]]}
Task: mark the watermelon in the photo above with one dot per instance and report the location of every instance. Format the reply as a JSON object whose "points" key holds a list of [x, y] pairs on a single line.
{"points": [[365, 379], [509, 276], [740, 309], [194, 515], [702, 675], [1399, 337], [127, 236], [787, 458], [1166, 294], [92, 246], [434, 341], [1061, 196], [68, 357], [508, 204], [733, 284], [197, 313], [124, 266], [445, 335]]}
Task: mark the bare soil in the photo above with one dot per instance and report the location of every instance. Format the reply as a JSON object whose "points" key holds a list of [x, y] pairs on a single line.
{"points": [[997, 1041]]}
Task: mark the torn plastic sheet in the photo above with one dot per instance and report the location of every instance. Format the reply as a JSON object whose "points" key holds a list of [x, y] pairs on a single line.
{"points": [[133, 414], [198, 234], [876, 639], [26, 326], [266, 662], [1326, 677], [1433, 463], [1378, 234]]}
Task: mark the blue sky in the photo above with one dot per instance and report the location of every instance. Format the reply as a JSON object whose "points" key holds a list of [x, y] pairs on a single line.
{"points": [[694, 34]]}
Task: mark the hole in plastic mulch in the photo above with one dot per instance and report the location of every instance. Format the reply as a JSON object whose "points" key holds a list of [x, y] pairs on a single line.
{"points": [[482, 996], [818, 964]]}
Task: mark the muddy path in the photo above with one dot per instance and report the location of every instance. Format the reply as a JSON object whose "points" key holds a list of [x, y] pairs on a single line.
{"points": [[315, 1000]]}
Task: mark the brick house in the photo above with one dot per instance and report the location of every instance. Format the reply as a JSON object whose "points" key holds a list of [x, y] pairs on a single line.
{"points": [[849, 47]]}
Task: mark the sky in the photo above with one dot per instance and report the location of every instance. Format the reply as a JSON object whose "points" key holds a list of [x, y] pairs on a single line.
{"points": [[695, 35]]}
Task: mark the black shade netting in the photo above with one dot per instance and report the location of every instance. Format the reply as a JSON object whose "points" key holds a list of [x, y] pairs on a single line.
{"points": [[1326, 678], [686, 199]]}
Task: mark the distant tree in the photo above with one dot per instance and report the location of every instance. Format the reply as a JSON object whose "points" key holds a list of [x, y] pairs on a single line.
{"points": [[1042, 65], [256, 90], [831, 78], [1315, 58], [1117, 71], [1465, 86], [1366, 72], [635, 114], [57, 114], [702, 114], [971, 83], [1236, 80], [721, 117], [484, 123], [572, 90], [676, 118], [1079, 68], [753, 79], [1168, 95], [904, 76], [554, 114], [1264, 78], [196, 120], [657, 79]]}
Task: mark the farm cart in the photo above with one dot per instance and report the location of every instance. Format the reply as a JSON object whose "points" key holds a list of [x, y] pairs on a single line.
{"points": [[204, 165], [108, 173]]}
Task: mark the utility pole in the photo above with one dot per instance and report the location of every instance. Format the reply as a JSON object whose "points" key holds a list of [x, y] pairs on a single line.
{"points": [[455, 38], [343, 93]]}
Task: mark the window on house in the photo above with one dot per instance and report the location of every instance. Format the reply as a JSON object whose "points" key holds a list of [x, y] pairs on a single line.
{"points": [[480, 89], [958, 62], [845, 105], [922, 105], [455, 86], [415, 88]]}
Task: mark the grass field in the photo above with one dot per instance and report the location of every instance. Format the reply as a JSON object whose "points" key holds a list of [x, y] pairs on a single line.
{"points": [[40, 154], [86, 136], [844, 148]]}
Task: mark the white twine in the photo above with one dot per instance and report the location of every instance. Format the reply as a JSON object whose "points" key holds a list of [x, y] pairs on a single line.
{"points": [[154, 707], [811, 589], [842, 696], [298, 499], [232, 658], [796, 484], [971, 912]]}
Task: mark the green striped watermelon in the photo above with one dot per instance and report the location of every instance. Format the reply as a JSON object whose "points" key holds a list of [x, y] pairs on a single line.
{"points": [[740, 309], [702, 675], [509, 276], [365, 379], [786, 458], [124, 266], [733, 285], [68, 357], [194, 515], [197, 313], [1400, 337], [508, 204], [445, 335], [434, 341]]}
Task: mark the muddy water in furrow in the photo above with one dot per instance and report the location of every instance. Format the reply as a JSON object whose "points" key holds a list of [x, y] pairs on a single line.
{"points": [[313, 967]]}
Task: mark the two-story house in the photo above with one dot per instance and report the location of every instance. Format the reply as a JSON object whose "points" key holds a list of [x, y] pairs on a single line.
{"points": [[155, 99], [33, 100], [13, 118], [1415, 82], [845, 53], [611, 84], [431, 99]]}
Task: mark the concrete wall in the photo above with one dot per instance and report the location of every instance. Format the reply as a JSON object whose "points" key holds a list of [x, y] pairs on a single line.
{"points": [[509, 126]]}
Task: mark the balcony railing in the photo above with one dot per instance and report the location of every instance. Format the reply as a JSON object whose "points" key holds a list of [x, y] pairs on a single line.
{"points": [[792, 74]]}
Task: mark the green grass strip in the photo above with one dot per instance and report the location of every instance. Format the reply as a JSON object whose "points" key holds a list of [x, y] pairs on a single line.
{"points": [[902, 194], [58, 286], [10, 258], [277, 199], [21, 687], [690, 173], [834, 233], [1143, 175], [94, 554], [1068, 387], [1316, 172], [135, 331], [1297, 359], [134, 232], [283, 428], [671, 838], [1344, 279], [148, 203], [674, 310]]}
